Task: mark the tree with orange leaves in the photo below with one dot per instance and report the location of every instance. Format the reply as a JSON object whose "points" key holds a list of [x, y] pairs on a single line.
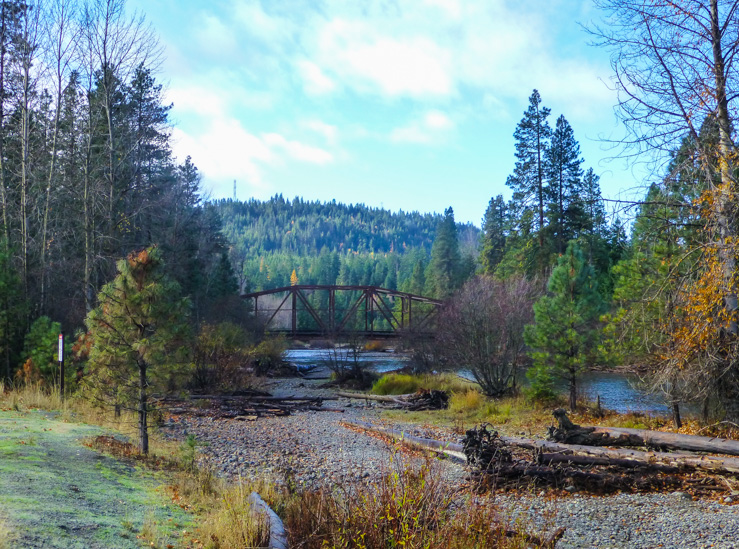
{"points": [[674, 70]]}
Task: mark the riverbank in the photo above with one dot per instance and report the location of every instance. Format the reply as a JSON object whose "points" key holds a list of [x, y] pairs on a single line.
{"points": [[316, 449]]}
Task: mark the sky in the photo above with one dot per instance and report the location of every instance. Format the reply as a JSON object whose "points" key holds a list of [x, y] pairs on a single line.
{"points": [[402, 104]]}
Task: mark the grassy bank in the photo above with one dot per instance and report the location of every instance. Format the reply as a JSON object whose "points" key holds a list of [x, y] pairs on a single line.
{"points": [[57, 492], [511, 415]]}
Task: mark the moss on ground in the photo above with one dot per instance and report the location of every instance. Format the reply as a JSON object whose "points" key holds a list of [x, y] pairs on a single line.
{"points": [[57, 493]]}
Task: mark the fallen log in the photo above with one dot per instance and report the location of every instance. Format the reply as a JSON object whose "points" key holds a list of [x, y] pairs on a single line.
{"points": [[423, 399], [397, 399], [261, 398], [451, 449], [673, 459], [638, 458], [569, 433], [548, 459], [277, 532]]}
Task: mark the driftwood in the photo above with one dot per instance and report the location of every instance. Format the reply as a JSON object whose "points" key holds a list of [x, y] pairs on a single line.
{"points": [[568, 432], [397, 399], [277, 532], [450, 449], [249, 408], [423, 399], [621, 457], [491, 455]]}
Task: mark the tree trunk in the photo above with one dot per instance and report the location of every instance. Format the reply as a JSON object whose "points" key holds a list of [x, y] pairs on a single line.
{"points": [[724, 210], [635, 457], [573, 393], [143, 431], [676, 421]]}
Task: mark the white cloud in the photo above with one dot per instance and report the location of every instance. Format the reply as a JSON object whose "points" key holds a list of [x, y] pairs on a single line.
{"points": [[430, 129], [413, 66], [315, 80], [298, 151], [328, 131], [214, 36]]}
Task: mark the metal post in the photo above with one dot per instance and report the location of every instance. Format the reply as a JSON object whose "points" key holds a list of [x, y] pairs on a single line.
{"points": [[294, 312], [331, 310], [61, 365], [372, 311]]}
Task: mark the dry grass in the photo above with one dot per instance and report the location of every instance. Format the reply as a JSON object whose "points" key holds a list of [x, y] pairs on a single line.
{"points": [[410, 507]]}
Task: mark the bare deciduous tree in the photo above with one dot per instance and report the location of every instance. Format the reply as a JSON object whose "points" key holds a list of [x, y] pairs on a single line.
{"points": [[483, 328]]}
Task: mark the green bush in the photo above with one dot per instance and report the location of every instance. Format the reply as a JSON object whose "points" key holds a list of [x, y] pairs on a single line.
{"points": [[41, 345]]}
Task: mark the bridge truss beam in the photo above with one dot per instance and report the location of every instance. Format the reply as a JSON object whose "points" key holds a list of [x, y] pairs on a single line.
{"points": [[368, 305]]}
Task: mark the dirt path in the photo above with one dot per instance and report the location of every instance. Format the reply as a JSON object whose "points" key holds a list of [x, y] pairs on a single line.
{"points": [[57, 493]]}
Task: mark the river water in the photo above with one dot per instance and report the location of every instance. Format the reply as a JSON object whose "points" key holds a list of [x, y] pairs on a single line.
{"points": [[617, 391]]}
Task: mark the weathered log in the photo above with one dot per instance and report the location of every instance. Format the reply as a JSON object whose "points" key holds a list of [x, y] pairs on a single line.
{"points": [[423, 399], [259, 398], [677, 460], [323, 409], [570, 433], [451, 449], [397, 399], [673, 459], [277, 532], [549, 458]]}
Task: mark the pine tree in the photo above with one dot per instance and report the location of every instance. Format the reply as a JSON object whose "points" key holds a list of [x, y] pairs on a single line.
{"points": [[562, 166], [138, 331], [528, 179], [564, 331], [442, 274], [494, 232]]}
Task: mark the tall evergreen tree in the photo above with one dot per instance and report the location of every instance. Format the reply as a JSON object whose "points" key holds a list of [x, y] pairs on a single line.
{"points": [[494, 231], [442, 274], [562, 166], [564, 332], [528, 180]]}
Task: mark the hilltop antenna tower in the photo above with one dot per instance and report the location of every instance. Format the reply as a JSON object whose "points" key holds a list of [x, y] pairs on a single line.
{"points": [[234, 190]]}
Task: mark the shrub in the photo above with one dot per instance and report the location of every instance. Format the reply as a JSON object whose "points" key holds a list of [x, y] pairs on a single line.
{"points": [[40, 348], [267, 356], [221, 354], [374, 346], [481, 329], [410, 507]]}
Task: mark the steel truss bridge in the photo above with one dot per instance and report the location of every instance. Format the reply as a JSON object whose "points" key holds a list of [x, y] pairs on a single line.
{"points": [[333, 312]]}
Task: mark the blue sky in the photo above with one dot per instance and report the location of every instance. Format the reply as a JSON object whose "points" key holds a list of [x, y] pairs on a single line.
{"points": [[406, 104]]}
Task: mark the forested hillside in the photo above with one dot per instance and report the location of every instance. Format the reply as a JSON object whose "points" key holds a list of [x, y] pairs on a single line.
{"points": [[330, 243]]}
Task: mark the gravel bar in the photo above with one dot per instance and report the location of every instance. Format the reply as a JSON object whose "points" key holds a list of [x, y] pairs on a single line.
{"points": [[313, 449]]}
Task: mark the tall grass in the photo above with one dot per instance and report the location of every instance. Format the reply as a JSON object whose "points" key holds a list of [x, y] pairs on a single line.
{"points": [[410, 507]]}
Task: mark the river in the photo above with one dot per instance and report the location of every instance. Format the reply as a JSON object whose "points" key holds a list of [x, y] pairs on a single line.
{"points": [[618, 391]]}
